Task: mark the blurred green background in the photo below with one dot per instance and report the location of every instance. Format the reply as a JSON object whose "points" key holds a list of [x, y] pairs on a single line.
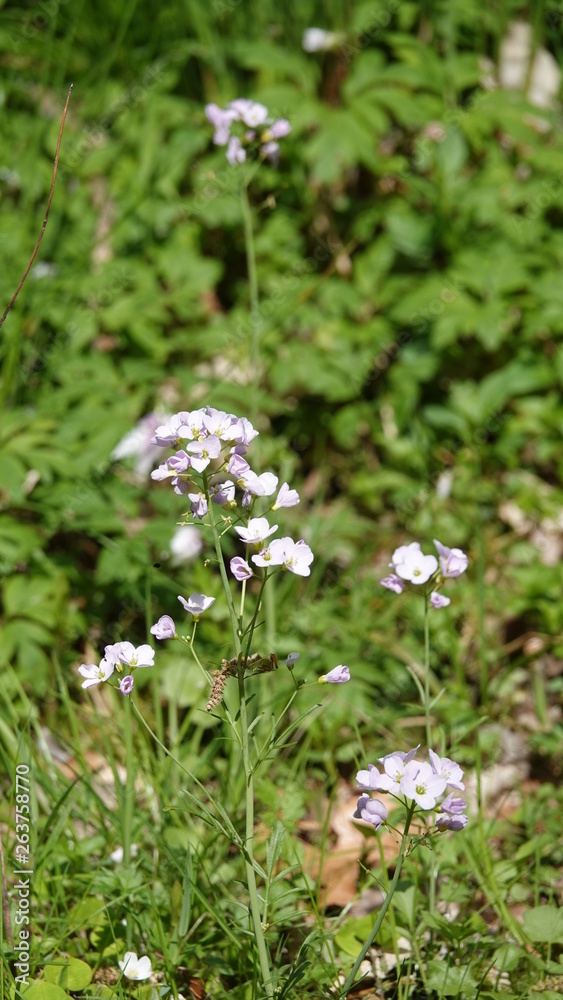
{"points": [[410, 261]]}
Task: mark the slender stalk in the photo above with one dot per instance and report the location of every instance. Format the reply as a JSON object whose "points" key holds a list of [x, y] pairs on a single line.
{"points": [[128, 801], [483, 666], [384, 907], [255, 911], [253, 285], [427, 673], [157, 704]]}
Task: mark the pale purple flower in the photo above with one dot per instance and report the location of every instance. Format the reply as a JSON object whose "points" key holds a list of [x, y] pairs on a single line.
{"points": [[218, 422], [198, 505], [180, 485], [203, 451], [371, 811], [268, 557], [127, 654], [242, 431], [173, 431], [439, 600], [453, 562], [453, 806], [338, 675], [370, 779], [416, 567], [126, 684], [423, 786], [257, 531], [138, 443], [135, 968], [240, 569], [238, 467], [405, 757], [447, 769], [452, 822], [163, 472], [185, 544], [285, 497], [249, 112], [235, 152], [397, 769], [221, 121], [291, 659], [224, 493], [400, 554], [259, 486], [294, 556], [196, 604], [394, 583], [280, 128], [271, 151], [180, 462], [164, 628], [96, 674]]}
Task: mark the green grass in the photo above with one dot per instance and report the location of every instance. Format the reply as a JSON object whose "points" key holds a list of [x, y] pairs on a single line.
{"points": [[404, 365]]}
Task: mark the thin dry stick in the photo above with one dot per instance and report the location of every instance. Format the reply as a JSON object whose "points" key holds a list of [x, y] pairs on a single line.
{"points": [[37, 245]]}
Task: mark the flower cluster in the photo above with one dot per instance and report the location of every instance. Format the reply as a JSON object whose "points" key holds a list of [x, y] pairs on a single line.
{"points": [[421, 782], [196, 604], [255, 132], [211, 446], [117, 657], [294, 556], [410, 565]]}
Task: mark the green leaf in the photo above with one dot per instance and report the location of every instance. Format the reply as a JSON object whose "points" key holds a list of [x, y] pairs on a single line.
{"points": [[544, 924], [70, 973]]}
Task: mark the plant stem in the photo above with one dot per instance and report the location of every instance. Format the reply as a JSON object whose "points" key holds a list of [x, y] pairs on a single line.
{"points": [[128, 800], [427, 673], [248, 771], [384, 907], [253, 285]]}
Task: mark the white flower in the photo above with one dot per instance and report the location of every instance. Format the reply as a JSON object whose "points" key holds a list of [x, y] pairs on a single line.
{"points": [[185, 544], [416, 567], [319, 40], [138, 443], [135, 968], [447, 769], [285, 497], [96, 674], [257, 531], [196, 604]]}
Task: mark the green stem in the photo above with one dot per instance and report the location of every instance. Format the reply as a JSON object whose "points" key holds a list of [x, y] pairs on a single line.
{"points": [[128, 800], [248, 771], [384, 907], [483, 666], [157, 704], [427, 673], [253, 284]]}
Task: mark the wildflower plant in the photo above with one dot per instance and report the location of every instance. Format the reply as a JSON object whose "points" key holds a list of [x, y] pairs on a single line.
{"points": [[208, 467], [425, 574]]}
